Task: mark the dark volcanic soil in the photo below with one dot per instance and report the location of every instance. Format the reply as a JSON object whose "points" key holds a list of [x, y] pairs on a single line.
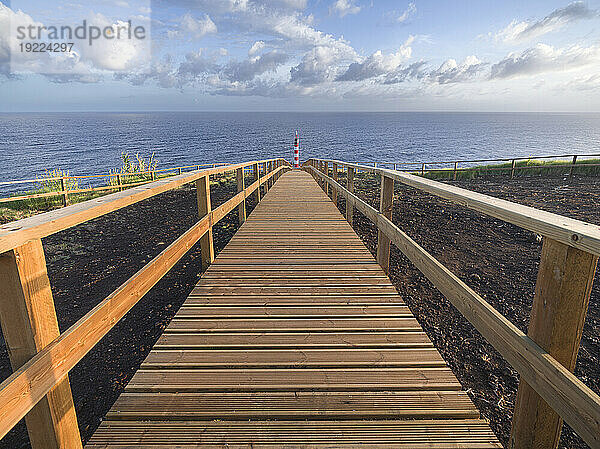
{"points": [[88, 262], [499, 261]]}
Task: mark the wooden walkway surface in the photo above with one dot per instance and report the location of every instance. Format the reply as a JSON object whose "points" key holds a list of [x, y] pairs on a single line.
{"points": [[294, 337]]}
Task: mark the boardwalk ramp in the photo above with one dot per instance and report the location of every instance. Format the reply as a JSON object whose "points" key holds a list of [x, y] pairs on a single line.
{"points": [[294, 337]]}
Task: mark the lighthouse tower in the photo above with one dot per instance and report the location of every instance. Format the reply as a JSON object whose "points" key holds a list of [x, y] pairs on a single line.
{"points": [[297, 150]]}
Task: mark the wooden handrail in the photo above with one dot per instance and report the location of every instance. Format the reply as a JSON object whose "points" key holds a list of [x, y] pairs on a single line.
{"points": [[571, 232], [35, 379], [577, 404], [16, 233], [109, 175], [119, 186], [471, 161]]}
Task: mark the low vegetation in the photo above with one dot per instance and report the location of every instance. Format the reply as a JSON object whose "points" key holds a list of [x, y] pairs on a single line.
{"points": [[529, 168]]}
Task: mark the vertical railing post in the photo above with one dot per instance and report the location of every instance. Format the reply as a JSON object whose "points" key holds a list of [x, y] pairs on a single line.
{"points": [[29, 324], [264, 170], [562, 294], [512, 169], [572, 166], [153, 175], [350, 187], [119, 183], [328, 173], [422, 169], [179, 171], [321, 168], [257, 178], [335, 177], [63, 187], [240, 188], [455, 170], [207, 250], [386, 203]]}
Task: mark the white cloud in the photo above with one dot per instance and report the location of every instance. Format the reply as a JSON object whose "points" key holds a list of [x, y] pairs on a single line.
{"points": [[452, 72], [318, 65], [211, 6], [416, 70], [586, 83], [115, 54], [377, 64], [408, 12], [194, 27], [256, 48], [545, 58], [250, 68], [518, 31], [344, 7], [84, 63]]}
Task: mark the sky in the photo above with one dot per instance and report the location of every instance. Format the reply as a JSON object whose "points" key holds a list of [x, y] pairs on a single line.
{"points": [[308, 55]]}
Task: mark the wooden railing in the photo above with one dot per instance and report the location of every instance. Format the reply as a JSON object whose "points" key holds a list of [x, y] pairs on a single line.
{"points": [[119, 183], [545, 357], [40, 355], [454, 167]]}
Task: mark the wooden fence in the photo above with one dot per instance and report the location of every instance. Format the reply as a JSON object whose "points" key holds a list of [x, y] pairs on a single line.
{"points": [[545, 357], [454, 167], [116, 181], [40, 355]]}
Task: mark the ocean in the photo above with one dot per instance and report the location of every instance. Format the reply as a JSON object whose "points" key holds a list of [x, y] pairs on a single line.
{"points": [[91, 143]]}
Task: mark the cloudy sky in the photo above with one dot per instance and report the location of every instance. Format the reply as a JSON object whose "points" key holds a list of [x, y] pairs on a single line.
{"points": [[312, 55]]}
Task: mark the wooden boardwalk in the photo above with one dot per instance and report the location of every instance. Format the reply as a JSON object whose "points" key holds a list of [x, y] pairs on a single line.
{"points": [[294, 337]]}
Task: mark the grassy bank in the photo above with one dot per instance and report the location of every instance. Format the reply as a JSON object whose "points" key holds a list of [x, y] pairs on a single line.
{"points": [[528, 168]]}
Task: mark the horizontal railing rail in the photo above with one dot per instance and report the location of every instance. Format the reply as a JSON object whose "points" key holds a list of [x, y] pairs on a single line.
{"points": [[545, 360], [456, 166], [40, 370], [116, 182]]}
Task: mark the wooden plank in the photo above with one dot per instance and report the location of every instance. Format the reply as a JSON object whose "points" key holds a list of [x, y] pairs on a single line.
{"points": [[562, 295], [29, 324], [278, 290], [207, 250], [307, 379], [292, 358], [296, 434], [293, 300], [299, 340], [307, 311], [297, 325], [294, 405]]}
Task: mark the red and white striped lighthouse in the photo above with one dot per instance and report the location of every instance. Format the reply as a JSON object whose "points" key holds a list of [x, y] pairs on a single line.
{"points": [[297, 150]]}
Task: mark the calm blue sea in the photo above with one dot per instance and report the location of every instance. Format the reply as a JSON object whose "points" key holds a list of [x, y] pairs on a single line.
{"points": [[90, 143]]}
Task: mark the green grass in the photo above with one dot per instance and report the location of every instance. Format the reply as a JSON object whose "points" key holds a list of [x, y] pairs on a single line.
{"points": [[533, 168]]}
